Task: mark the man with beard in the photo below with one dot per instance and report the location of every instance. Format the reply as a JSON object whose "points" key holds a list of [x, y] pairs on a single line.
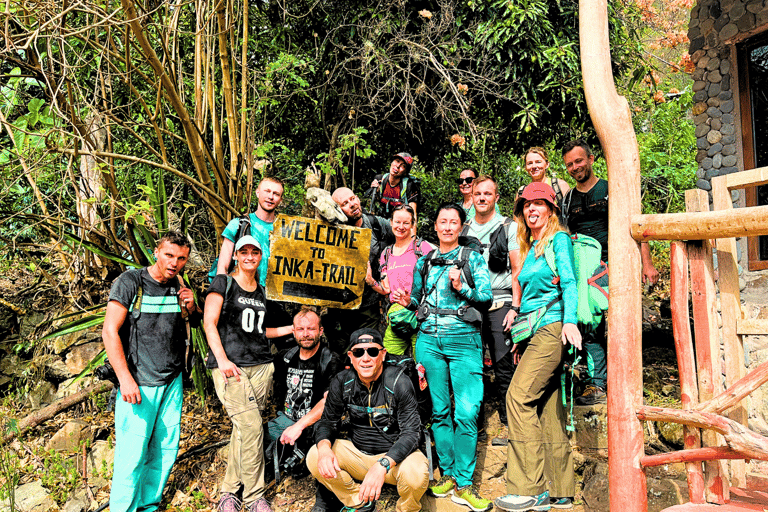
{"points": [[501, 252], [344, 321], [585, 211], [301, 379], [269, 194]]}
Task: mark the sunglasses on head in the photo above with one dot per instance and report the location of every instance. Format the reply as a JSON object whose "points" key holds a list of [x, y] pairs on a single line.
{"points": [[372, 351], [462, 181]]}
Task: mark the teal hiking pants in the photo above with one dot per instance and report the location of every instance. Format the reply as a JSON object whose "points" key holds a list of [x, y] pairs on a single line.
{"points": [[454, 362], [146, 444]]}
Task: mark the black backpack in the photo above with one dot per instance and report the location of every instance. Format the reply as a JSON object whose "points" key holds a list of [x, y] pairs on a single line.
{"points": [[498, 253]]}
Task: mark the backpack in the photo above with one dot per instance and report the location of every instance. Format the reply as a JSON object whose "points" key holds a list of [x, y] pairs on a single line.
{"points": [[387, 208], [472, 314], [498, 254], [243, 228], [591, 278], [406, 369]]}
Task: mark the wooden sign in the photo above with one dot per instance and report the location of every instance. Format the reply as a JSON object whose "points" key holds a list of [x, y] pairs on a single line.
{"points": [[315, 263]]}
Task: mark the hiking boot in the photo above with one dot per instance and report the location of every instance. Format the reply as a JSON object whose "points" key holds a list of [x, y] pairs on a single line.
{"points": [[591, 396], [515, 502], [561, 503], [443, 487], [228, 502], [366, 507], [260, 505], [325, 500], [469, 496]]}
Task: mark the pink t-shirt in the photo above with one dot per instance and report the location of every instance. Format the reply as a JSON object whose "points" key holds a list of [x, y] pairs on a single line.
{"points": [[399, 269]]}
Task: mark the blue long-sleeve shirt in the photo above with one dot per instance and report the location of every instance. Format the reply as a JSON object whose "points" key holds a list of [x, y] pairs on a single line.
{"points": [[538, 289], [441, 294]]}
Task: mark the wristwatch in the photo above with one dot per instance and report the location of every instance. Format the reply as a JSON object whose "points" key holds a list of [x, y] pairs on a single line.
{"points": [[384, 462]]}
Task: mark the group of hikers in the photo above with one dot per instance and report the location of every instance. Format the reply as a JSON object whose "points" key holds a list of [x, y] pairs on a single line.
{"points": [[446, 303]]}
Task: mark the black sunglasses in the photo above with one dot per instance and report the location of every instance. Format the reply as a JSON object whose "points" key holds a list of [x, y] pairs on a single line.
{"points": [[372, 351], [461, 181]]}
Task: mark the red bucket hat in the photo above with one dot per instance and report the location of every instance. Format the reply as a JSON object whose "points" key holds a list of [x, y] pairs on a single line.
{"points": [[534, 191]]}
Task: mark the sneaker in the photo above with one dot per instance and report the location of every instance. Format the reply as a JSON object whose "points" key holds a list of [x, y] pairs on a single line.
{"points": [[515, 502], [591, 396], [228, 502], [367, 507], [468, 496], [443, 487], [561, 503], [260, 505]]}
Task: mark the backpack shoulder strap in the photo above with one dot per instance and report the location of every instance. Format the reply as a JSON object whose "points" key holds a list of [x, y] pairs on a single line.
{"points": [[557, 189], [325, 358], [137, 299], [404, 189], [549, 256], [465, 228], [463, 258], [417, 248], [383, 183], [566, 206], [290, 354]]}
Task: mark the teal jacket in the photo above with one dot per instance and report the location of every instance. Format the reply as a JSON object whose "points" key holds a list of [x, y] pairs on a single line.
{"points": [[538, 289], [440, 293]]}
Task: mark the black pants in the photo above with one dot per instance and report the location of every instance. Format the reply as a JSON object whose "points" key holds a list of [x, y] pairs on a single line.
{"points": [[503, 368]]}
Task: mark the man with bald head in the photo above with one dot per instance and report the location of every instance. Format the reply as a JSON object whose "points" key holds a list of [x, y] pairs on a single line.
{"points": [[340, 323]]}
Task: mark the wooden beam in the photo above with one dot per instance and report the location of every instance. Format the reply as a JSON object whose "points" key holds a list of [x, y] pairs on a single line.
{"points": [[750, 178], [750, 221], [730, 310], [737, 392], [691, 457], [613, 123], [686, 362], [707, 341]]}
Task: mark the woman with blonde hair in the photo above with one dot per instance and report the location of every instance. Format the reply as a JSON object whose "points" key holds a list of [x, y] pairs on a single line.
{"points": [[536, 165], [538, 442]]}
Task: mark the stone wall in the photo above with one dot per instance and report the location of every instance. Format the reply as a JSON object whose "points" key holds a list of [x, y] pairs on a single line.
{"points": [[714, 28]]}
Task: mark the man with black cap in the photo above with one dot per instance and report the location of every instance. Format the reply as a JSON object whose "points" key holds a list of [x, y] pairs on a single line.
{"points": [[384, 429], [396, 187]]}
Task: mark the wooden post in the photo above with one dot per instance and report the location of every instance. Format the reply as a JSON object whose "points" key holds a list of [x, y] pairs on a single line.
{"points": [[613, 122], [707, 342], [686, 363], [730, 309]]}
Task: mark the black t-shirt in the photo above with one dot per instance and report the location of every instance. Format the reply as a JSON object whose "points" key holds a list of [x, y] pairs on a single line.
{"points": [[241, 324], [588, 213], [300, 384], [155, 354]]}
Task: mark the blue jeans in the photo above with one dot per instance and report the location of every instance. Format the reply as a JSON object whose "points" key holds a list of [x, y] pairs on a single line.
{"points": [[454, 362], [146, 444]]}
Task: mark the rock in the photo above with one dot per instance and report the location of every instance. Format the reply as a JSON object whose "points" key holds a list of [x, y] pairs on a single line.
{"points": [[702, 63], [714, 101], [12, 365], [701, 130], [714, 112], [79, 356], [713, 90], [706, 164], [69, 387], [31, 497], [700, 96], [716, 125], [728, 170], [726, 107], [729, 161], [715, 147], [725, 83], [79, 502], [713, 64], [725, 95], [62, 343], [729, 149], [672, 434], [44, 393], [714, 136], [755, 7], [9, 321], [699, 85], [701, 118], [701, 143], [746, 22], [100, 463], [699, 108], [728, 139], [714, 76], [703, 185], [701, 155], [725, 67], [717, 161], [666, 492], [56, 370], [727, 129], [591, 424], [69, 437], [595, 494], [737, 11], [728, 31]]}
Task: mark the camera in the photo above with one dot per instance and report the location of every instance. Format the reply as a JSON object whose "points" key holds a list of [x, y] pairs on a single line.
{"points": [[106, 372]]}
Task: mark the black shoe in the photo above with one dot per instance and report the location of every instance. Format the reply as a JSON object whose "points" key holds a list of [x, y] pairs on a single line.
{"points": [[591, 396], [325, 500]]}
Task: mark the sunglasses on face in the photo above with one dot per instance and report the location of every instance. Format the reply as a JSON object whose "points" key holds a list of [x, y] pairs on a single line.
{"points": [[462, 181], [372, 351]]}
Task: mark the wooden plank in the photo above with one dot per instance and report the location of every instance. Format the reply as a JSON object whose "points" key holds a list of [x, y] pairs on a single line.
{"points": [[730, 310], [686, 362], [752, 326], [707, 342], [743, 179], [751, 221]]}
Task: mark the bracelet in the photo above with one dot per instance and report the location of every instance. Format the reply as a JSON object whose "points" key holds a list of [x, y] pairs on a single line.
{"points": [[516, 309]]}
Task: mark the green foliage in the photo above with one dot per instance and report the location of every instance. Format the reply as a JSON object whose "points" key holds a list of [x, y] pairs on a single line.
{"points": [[667, 153], [59, 475], [350, 146], [10, 468]]}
